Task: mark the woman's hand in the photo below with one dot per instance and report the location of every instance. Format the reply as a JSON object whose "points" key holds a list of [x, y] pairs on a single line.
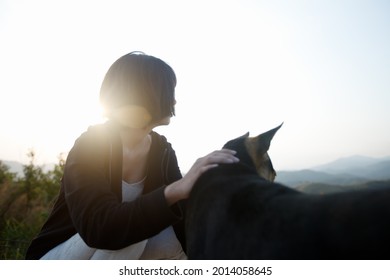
{"points": [[181, 189]]}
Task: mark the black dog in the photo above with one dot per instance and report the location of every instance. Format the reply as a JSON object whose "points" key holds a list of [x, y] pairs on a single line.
{"points": [[233, 213]]}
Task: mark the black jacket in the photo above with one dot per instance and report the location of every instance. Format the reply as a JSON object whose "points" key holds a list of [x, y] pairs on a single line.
{"points": [[90, 198]]}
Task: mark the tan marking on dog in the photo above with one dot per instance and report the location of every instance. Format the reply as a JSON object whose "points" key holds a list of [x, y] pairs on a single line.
{"points": [[262, 162]]}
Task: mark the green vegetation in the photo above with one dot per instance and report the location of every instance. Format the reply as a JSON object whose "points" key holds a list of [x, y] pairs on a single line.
{"points": [[25, 204]]}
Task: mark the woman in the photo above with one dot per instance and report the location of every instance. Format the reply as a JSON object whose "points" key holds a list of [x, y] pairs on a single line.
{"points": [[122, 191]]}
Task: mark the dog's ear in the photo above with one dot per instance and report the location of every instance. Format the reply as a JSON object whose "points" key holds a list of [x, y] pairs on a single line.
{"points": [[235, 144], [246, 135], [262, 142]]}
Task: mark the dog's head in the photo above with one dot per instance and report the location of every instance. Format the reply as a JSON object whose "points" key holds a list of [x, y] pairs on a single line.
{"points": [[253, 151]]}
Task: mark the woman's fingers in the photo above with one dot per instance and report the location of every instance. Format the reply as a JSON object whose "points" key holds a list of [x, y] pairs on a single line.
{"points": [[182, 188], [213, 159], [221, 156]]}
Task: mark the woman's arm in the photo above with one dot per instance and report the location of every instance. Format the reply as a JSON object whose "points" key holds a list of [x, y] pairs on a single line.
{"points": [[181, 189], [97, 213]]}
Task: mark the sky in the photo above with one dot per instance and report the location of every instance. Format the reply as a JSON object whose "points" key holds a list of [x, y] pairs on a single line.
{"points": [[321, 67]]}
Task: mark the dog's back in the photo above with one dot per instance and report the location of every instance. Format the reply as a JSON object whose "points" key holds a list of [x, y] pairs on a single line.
{"points": [[235, 214]]}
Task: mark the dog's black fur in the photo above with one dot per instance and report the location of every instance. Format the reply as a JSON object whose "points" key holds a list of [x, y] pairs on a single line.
{"points": [[233, 213]]}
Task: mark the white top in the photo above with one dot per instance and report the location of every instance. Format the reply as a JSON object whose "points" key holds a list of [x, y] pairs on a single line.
{"points": [[165, 244], [131, 191]]}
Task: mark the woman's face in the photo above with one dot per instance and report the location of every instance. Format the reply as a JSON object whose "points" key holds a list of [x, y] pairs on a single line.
{"points": [[164, 121], [137, 117], [132, 116]]}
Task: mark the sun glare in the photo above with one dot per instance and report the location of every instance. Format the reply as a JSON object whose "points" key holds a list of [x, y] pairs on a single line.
{"points": [[274, 63]]}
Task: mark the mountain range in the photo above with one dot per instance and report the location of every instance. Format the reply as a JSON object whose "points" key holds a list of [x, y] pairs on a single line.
{"points": [[352, 170]]}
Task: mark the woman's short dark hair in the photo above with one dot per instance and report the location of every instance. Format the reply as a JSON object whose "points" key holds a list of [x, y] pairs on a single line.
{"points": [[141, 80]]}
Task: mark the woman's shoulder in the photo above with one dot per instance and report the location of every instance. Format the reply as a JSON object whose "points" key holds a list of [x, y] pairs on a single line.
{"points": [[160, 140], [98, 131], [95, 137]]}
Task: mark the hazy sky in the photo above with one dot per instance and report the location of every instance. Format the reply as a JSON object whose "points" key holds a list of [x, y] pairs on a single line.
{"points": [[321, 67]]}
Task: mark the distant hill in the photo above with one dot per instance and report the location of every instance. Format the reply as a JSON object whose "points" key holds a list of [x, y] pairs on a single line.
{"points": [[342, 165], [316, 188], [304, 177], [375, 171], [371, 168], [345, 171]]}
